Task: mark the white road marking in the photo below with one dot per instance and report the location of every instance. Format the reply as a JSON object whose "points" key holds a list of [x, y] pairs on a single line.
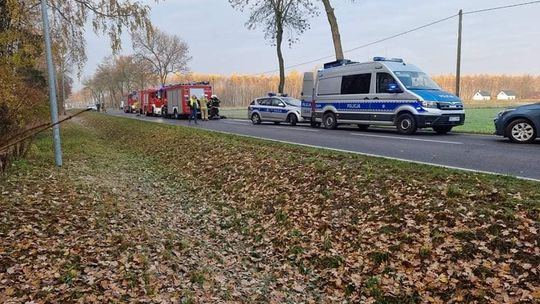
{"points": [[294, 129], [408, 138], [235, 123]]}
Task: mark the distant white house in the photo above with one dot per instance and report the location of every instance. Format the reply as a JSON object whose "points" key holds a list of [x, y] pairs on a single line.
{"points": [[506, 95], [482, 95]]}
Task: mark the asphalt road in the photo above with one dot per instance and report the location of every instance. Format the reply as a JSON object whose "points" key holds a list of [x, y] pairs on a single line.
{"points": [[482, 153]]}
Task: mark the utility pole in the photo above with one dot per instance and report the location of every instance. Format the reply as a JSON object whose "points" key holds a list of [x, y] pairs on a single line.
{"points": [[52, 86], [458, 66]]}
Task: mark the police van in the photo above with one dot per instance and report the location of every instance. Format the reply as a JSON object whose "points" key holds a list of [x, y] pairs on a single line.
{"points": [[382, 92]]}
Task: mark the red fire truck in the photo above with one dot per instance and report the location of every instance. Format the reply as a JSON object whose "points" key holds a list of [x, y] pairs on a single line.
{"points": [[151, 102], [176, 97], [132, 102]]}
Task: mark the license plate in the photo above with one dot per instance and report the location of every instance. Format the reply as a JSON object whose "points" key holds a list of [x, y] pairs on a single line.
{"points": [[454, 118]]}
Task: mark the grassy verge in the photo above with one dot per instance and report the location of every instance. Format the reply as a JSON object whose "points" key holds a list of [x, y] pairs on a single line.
{"points": [[235, 113], [207, 217]]}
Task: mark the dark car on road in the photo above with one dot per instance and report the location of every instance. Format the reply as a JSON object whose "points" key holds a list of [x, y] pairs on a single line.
{"points": [[520, 125]]}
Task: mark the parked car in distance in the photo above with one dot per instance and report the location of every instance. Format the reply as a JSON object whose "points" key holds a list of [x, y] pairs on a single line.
{"points": [[92, 107], [520, 125], [275, 108]]}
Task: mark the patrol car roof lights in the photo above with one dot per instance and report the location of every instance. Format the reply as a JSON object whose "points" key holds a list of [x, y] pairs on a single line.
{"points": [[271, 94], [388, 59]]}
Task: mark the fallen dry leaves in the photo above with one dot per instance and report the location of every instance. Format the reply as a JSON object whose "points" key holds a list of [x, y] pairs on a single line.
{"points": [[189, 216]]}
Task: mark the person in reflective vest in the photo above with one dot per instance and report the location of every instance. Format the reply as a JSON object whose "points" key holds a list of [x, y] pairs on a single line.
{"points": [[194, 106], [204, 107]]}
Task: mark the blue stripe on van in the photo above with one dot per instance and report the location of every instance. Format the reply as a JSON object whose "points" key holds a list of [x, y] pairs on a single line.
{"points": [[371, 106]]}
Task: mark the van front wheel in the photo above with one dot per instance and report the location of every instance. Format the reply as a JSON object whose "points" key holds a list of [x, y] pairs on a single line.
{"points": [[329, 120], [406, 124]]}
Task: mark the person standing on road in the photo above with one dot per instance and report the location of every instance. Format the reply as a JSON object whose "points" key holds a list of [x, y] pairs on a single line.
{"points": [[204, 108], [194, 105]]}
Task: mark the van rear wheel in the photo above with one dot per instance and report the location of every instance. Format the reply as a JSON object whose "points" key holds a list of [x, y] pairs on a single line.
{"points": [[406, 124], [329, 120]]}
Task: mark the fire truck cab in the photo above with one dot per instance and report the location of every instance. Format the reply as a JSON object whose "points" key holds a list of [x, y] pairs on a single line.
{"points": [[132, 102]]}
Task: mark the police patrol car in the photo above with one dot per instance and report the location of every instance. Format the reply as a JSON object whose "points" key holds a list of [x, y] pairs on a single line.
{"points": [[275, 108], [381, 92]]}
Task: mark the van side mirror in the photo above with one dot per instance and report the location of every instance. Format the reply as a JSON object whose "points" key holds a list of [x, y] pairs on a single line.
{"points": [[393, 88]]}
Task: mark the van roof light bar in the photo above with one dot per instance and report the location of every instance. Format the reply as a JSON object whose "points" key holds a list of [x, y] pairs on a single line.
{"points": [[388, 59], [337, 63]]}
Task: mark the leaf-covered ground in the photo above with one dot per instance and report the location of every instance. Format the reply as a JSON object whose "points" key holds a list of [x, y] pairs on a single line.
{"points": [[150, 213]]}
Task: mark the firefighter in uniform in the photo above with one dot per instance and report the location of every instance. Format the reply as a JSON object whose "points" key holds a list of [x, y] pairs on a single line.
{"points": [[194, 105], [204, 108]]}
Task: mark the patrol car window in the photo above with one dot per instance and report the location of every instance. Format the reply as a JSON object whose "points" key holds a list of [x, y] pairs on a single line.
{"points": [[383, 79], [356, 84], [264, 102], [416, 80], [277, 103], [292, 101]]}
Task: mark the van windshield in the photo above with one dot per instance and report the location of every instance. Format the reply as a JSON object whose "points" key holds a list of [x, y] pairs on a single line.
{"points": [[416, 80], [292, 101]]}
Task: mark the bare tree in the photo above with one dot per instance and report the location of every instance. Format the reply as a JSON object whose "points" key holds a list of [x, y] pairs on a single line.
{"points": [[277, 17], [334, 27], [166, 53]]}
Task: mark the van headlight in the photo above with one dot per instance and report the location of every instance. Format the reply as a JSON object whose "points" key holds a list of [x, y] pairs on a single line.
{"points": [[429, 104]]}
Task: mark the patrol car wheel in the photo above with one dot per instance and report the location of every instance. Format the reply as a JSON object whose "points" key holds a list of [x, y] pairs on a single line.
{"points": [[406, 124], [256, 119], [442, 129], [329, 120], [363, 127], [521, 131], [292, 119]]}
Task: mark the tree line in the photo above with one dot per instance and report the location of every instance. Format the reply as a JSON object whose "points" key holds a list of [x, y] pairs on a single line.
{"points": [[23, 82], [239, 90]]}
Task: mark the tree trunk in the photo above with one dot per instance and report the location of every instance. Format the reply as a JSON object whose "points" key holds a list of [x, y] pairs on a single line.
{"points": [[279, 40], [336, 37]]}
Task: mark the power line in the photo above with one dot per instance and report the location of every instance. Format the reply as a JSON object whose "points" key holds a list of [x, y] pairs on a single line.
{"points": [[368, 44], [407, 32], [500, 7]]}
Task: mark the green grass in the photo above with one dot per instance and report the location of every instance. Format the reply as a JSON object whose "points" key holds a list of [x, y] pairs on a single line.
{"points": [[235, 113], [479, 120]]}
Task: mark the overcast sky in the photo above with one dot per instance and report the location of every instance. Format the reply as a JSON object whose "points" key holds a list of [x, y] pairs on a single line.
{"points": [[497, 42]]}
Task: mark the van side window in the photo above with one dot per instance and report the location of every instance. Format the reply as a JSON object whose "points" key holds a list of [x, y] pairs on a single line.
{"points": [[329, 86], [356, 84], [383, 79]]}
